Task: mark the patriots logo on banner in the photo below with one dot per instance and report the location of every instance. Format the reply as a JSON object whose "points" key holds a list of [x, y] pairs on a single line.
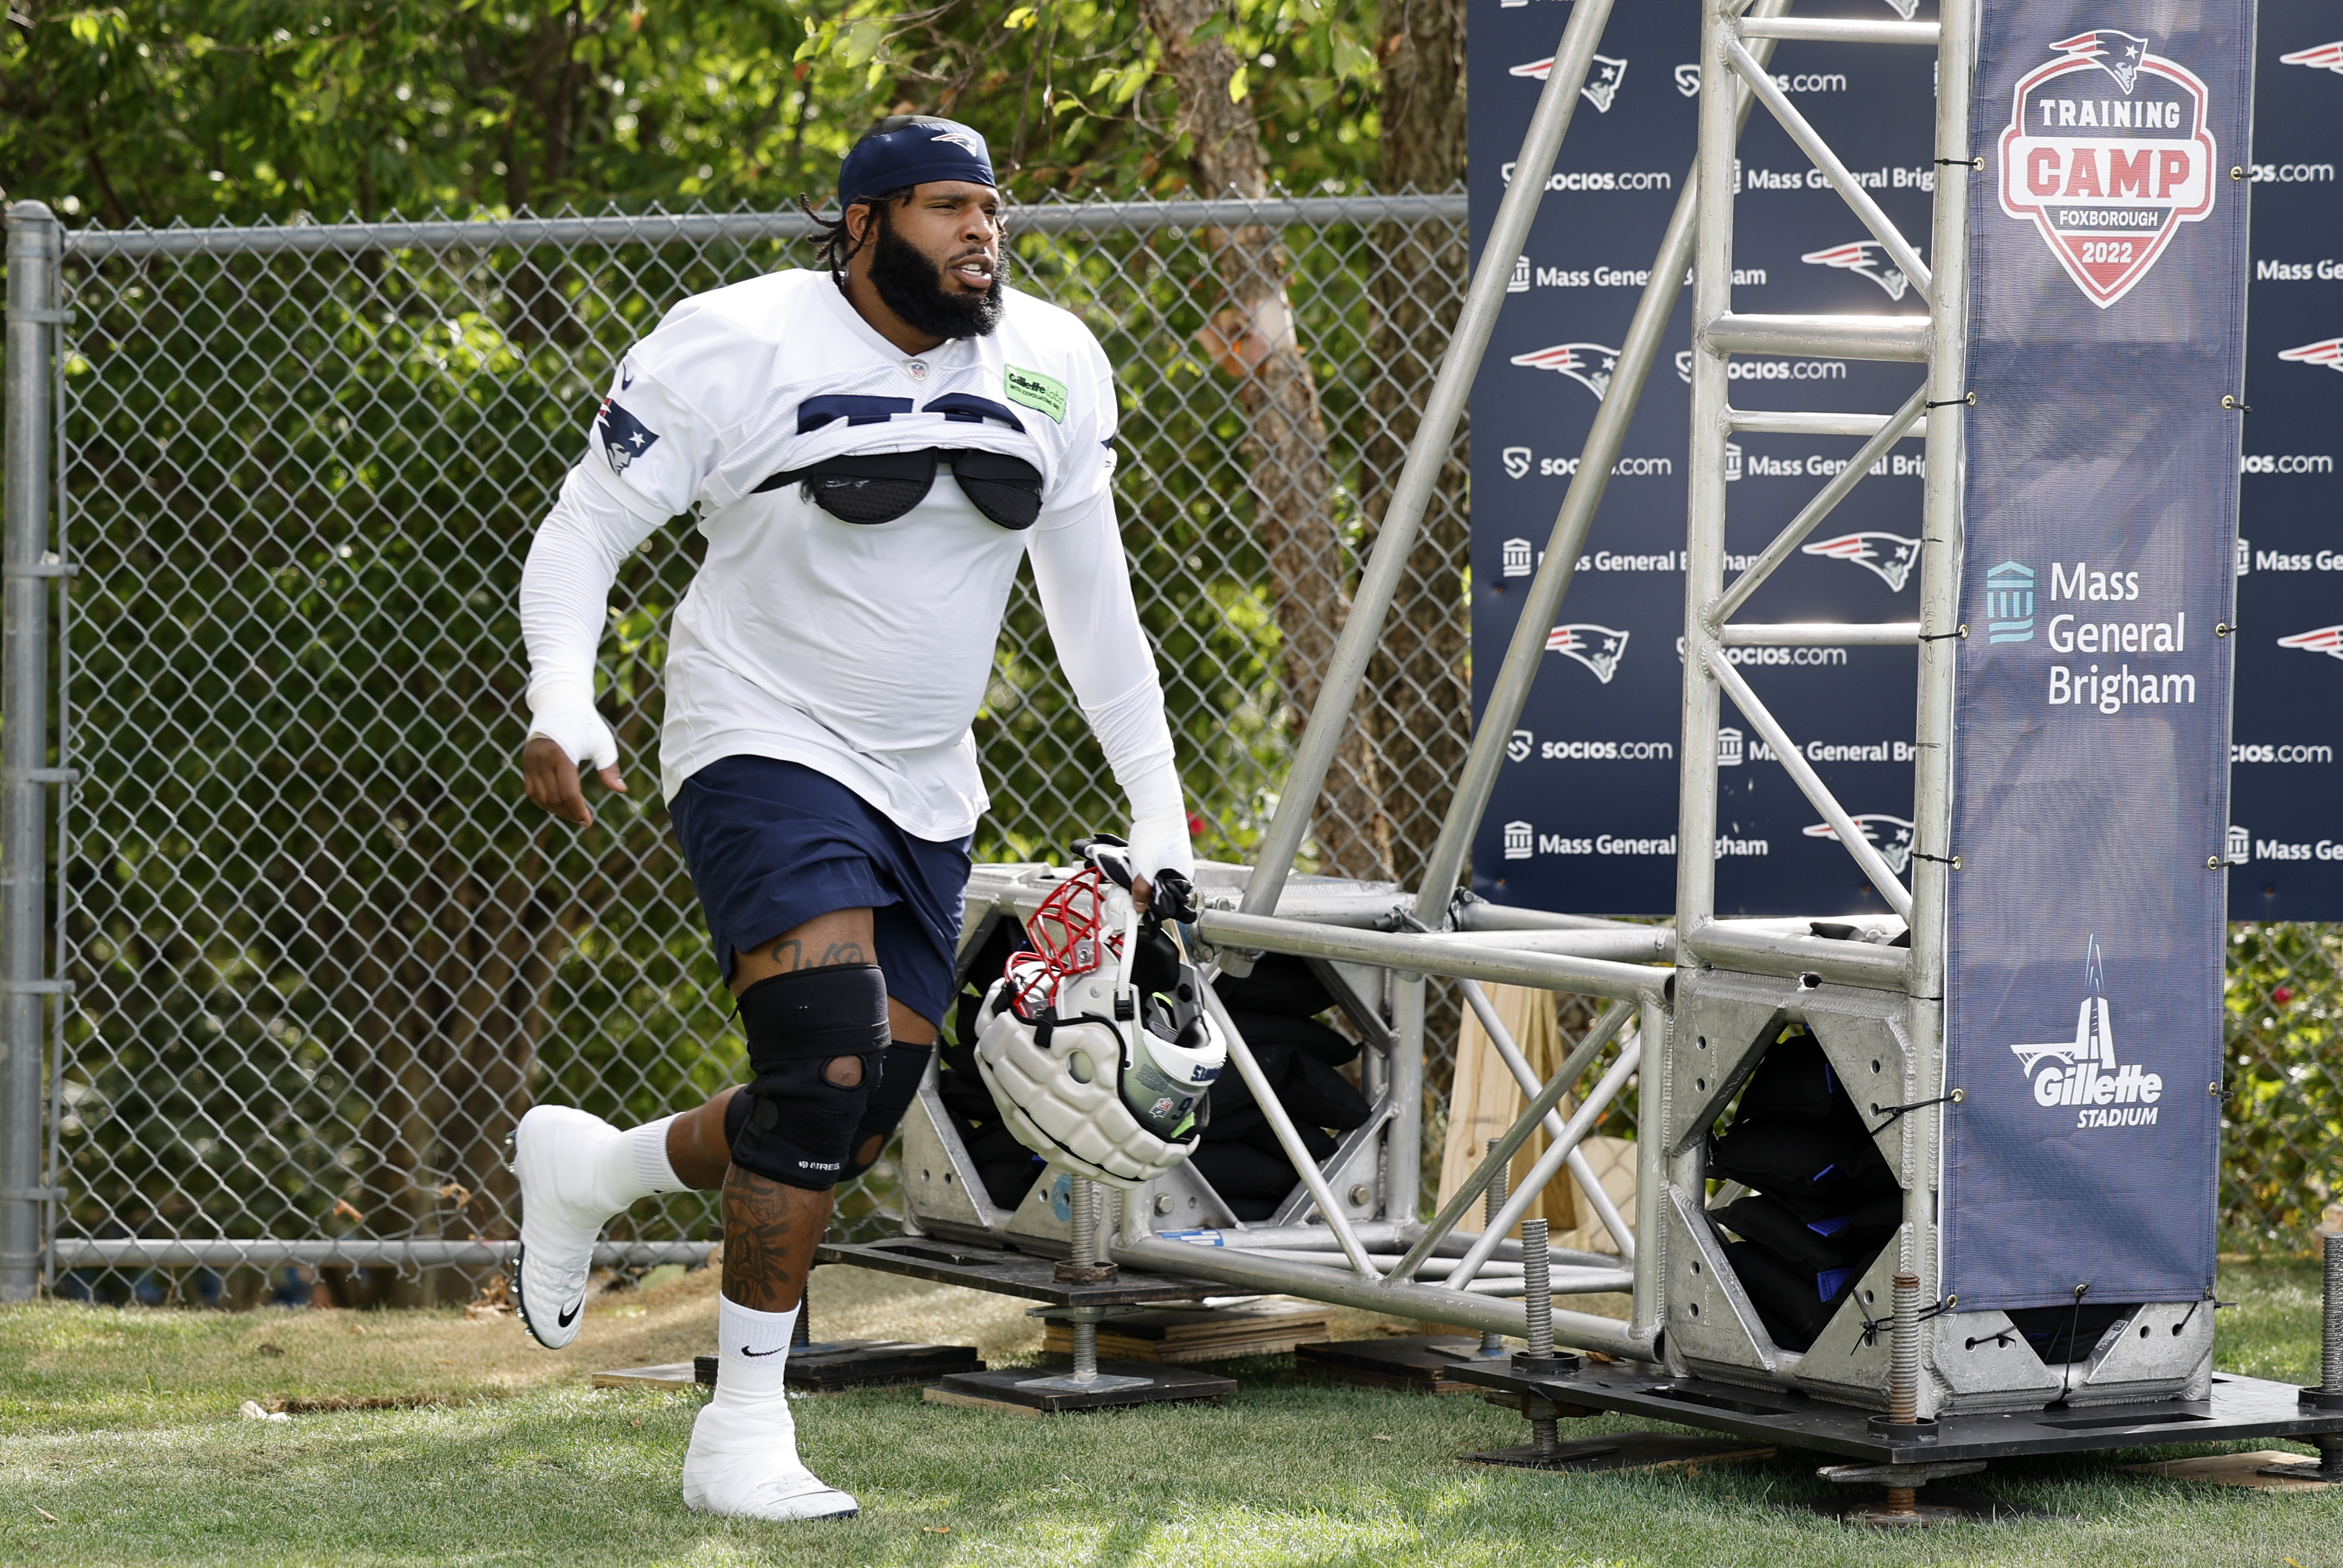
{"points": [[2329, 353], [2108, 179], [1864, 259], [1598, 647], [2119, 54], [1890, 555], [1602, 78], [2318, 57], [1891, 836], [2326, 639], [624, 437], [1588, 364]]}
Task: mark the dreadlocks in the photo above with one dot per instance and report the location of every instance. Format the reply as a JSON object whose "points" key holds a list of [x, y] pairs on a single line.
{"points": [[833, 244]]}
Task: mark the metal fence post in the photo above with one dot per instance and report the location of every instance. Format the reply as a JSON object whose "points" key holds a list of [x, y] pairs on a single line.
{"points": [[32, 241]]}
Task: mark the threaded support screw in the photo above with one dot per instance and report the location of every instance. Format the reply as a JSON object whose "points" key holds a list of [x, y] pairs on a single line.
{"points": [[1493, 1199], [1903, 1356], [1537, 1286], [2331, 1334]]}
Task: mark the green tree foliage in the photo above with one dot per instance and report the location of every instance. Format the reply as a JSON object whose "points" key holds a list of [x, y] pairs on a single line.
{"points": [[193, 110], [325, 952], [2282, 1120]]}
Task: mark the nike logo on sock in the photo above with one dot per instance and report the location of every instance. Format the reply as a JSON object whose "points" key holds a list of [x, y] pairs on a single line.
{"points": [[777, 1350]]}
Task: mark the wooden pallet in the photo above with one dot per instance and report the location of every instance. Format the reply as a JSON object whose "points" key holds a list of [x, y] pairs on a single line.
{"points": [[1218, 1334], [2237, 1470], [673, 1374]]}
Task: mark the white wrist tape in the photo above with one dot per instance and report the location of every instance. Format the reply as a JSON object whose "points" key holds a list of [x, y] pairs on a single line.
{"points": [[563, 711], [1158, 842]]}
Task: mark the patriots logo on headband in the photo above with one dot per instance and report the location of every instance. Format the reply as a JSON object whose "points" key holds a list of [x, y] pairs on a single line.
{"points": [[957, 140], [2119, 54]]}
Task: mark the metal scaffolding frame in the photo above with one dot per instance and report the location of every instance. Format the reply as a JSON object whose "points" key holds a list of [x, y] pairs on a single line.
{"points": [[1430, 931]]}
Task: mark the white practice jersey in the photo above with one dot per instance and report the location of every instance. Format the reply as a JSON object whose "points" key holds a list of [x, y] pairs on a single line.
{"points": [[861, 651]]}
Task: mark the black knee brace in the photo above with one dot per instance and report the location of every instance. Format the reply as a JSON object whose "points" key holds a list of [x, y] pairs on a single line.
{"points": [[898, 1085], [796, 1123]]}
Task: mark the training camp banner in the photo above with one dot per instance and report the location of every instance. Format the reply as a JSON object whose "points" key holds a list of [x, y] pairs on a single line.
{"points": [[2107, 357], [1585, 814]]}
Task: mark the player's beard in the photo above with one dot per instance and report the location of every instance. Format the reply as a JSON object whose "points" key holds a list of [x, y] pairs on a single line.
{"points": [[912, 287]]}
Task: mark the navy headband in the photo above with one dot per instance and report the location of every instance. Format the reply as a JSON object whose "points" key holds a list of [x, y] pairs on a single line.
{"points": [[911, 155]]}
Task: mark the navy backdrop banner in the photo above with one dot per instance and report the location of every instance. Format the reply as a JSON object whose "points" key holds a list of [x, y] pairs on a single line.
{"points": [[2285, 811], [2108, 261], [1585, 814]]}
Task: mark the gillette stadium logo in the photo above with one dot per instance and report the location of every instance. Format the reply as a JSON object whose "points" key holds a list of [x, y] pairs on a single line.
{"points": [[1590, 365], [1864, 259], [1890, 558], [1891, 836], [2082, 1071], [1602, 78], [1598, 647], [2107, 155]]}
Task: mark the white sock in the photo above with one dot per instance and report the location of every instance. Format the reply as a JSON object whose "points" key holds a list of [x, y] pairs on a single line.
{"points": [[752, 1349], [635, 1165]]}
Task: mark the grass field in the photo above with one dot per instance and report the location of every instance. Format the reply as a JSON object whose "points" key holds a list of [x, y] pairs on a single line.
{"points": [[120, 1441]]}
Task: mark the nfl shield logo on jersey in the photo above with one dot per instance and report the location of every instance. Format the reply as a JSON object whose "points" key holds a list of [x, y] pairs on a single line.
{"points": [[2108, 153], [624, 437]]}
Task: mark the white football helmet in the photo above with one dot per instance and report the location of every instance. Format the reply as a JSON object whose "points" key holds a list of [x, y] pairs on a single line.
{"points": [[1092, 1072]]}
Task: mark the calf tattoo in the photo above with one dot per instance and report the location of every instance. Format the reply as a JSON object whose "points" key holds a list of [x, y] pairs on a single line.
{"points": [[769, 1233]]}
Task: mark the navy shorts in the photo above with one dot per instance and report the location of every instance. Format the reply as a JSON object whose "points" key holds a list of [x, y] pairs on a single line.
{"points": [[771, 845]]}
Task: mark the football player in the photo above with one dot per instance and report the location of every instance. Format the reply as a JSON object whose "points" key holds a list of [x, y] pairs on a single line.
{"points": [[870, 449]]}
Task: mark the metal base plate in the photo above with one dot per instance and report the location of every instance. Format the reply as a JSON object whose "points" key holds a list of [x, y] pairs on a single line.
{"points": [[1011, 1274], [2240, 1407], [1626, 1451], [1135, 1382], [1419, 1363]]}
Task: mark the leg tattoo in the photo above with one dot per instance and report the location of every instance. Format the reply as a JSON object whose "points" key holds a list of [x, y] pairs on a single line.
{"points": [[769, 1233]]}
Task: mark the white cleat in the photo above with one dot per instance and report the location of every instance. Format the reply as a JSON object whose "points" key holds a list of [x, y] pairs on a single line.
{"points": [[745, 1464], [556, 1152]]}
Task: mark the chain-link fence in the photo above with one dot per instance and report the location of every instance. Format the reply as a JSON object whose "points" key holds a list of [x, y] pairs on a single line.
{"points": [[325, 954]]}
